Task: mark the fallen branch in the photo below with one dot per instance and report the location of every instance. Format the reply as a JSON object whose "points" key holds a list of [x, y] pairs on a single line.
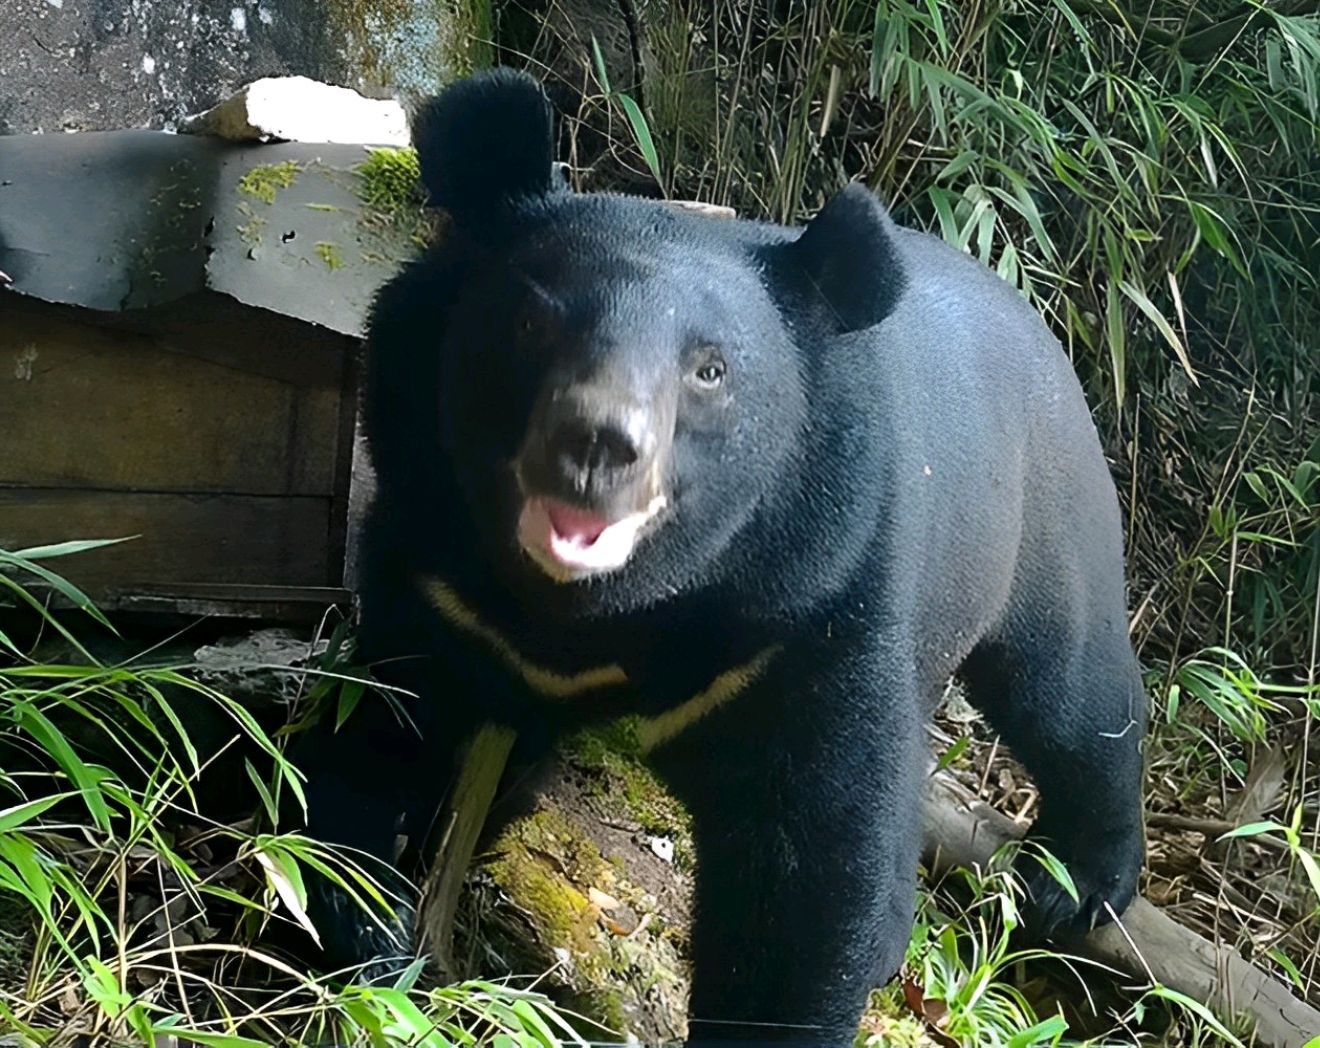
{"points": [[964, 831]]}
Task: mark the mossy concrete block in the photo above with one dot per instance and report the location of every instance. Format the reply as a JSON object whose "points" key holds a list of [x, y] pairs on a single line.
{"points": [[130, 221]]}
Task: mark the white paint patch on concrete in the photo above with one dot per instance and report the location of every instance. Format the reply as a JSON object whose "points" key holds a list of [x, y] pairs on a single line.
{"points": [[148, 65], [57, 4], [264, 15], [299, 109], [238, 20]]}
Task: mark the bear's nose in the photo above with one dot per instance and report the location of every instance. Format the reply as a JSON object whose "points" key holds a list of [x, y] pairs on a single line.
{"points": [[591, 448], [597, 435]]}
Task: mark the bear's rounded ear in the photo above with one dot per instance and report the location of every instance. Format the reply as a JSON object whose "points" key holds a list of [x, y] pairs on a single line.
{"points": [[845, 265], [484, 141]]}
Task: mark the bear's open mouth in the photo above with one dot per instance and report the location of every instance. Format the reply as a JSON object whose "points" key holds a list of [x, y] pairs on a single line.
{"points": [[568, 542]]}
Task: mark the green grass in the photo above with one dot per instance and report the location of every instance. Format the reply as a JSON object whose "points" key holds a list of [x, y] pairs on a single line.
{"points": [[133, 911]]}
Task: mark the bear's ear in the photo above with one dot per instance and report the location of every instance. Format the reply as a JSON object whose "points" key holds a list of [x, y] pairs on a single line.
{"points": [[484, 141], [845, 265]]}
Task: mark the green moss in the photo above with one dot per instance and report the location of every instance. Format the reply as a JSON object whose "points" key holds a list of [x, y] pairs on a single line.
{"points": [[887, 1023], [329, 254], [560, 911], [611, 755], [544, 867], [266, 180], [390, 179], [393, 217], [543, 860], [250, 231]]}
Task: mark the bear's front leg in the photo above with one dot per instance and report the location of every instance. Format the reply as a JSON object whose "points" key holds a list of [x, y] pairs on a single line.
{"points": [[806, 798], [373, 785]]}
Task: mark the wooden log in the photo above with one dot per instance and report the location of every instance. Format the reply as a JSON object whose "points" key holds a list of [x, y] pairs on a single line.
{"points": [[963, 831], [460, 822]]}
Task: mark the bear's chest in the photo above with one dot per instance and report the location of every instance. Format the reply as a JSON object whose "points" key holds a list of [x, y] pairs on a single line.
{"points": [[667, 671]]}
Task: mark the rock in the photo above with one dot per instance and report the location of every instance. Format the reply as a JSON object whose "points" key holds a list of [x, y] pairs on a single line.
{"points": [[90, 65], [299, 109], [257, 665]]}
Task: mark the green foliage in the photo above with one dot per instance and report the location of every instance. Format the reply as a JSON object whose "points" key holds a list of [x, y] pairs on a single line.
{"points": [[637, 123], [132, 909], [963, 963], [1099, 161], [962, 960]]}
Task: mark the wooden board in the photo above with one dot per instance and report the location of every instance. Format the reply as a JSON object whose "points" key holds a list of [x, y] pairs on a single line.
{"points": [[294, 605], [184, 539], [82, 407]]}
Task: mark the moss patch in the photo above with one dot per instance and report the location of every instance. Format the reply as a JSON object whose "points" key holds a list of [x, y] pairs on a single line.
{"points": [[611, 757], [564, 909], [393, 220], [250, 231], [548, 868], [526, 871], [887, 1023], [266, 180], [329, 254], [390, 179]]}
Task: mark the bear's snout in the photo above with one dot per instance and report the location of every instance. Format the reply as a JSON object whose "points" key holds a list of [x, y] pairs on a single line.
{"points": [[587, 446], [594, 445], [590, 471]]}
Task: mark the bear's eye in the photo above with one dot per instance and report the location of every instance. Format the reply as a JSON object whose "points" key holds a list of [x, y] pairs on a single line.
{"points": [[710, 374]]}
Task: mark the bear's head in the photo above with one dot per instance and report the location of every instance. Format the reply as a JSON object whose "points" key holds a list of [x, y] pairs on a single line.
{"points": [[625, 386]]}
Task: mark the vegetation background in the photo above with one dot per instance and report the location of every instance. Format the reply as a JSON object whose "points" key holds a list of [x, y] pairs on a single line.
{"points": [[1147, 174]]}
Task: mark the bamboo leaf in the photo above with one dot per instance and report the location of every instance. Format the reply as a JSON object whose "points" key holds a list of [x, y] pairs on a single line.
{"points": [[1142, 302]]}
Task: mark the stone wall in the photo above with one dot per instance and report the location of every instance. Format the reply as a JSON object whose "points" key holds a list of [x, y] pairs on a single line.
{"points": [[70, 65]]}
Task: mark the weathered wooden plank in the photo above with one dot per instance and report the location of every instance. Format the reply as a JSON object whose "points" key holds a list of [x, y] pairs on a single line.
{"points": [[184, 539], [91, 408], [301, 605]]}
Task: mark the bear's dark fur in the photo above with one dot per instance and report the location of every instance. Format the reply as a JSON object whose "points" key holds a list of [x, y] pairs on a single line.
{"points": [[764, 488]]}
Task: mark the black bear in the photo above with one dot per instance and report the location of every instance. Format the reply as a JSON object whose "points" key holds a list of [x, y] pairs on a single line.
{"points": [[762, 489]]}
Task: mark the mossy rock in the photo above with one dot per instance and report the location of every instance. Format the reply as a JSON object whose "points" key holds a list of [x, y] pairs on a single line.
{"points": [[888, 1023], [416, 47], [610, 762]]}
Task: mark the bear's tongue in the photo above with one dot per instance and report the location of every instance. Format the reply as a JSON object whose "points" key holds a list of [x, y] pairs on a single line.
{"points": [[578, 526], [569, 542]]}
